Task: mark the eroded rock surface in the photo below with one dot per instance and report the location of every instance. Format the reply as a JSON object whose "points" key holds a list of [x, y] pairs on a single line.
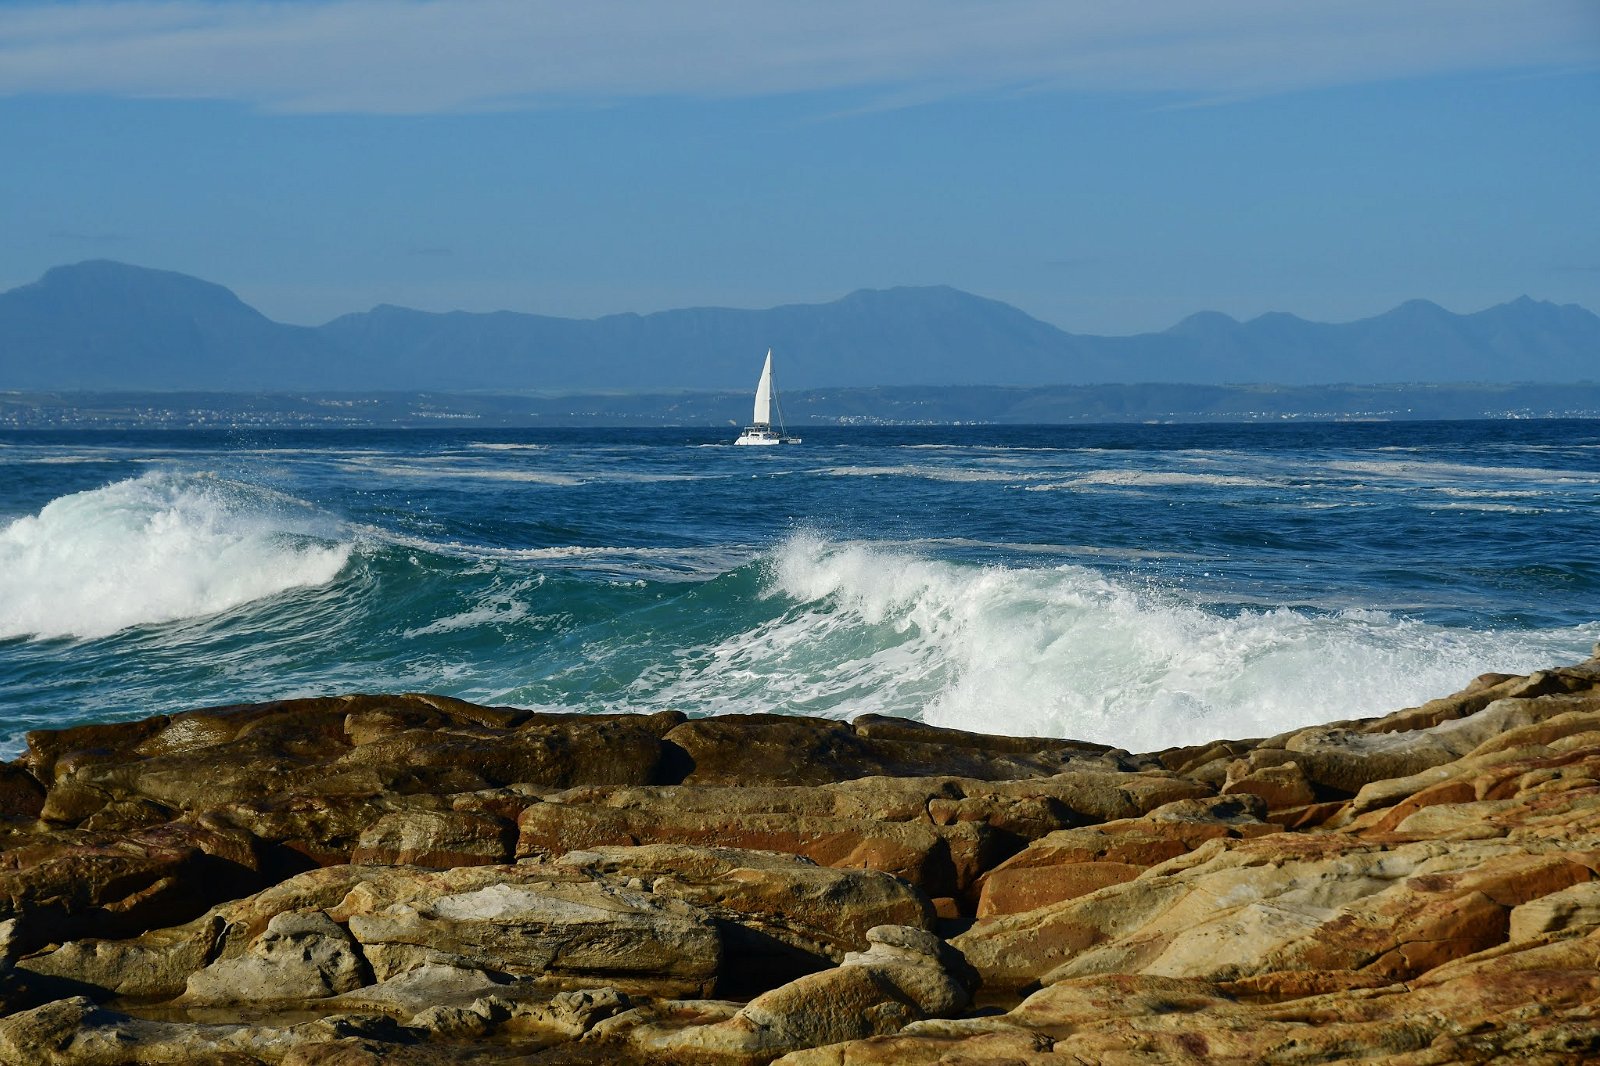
{"points": [[418, 879]]}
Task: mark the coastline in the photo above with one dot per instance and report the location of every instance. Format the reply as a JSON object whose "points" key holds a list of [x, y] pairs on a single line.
{"points": [[371, 878]]}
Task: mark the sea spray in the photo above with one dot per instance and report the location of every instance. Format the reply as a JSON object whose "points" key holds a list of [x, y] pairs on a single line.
{"points": [[153, 549]]}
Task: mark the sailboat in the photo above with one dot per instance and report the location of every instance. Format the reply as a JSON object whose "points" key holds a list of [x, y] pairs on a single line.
{"points": [[760, 430]]}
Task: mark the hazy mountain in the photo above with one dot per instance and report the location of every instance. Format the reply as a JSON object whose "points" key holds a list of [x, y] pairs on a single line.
{"points": [[104, 325]]}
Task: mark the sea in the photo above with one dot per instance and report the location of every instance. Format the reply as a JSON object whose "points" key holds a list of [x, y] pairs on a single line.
{"points": [[1135, 585]]}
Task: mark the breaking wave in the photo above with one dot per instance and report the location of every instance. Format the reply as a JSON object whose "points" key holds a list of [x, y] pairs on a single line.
{"points": [[157, 548]]}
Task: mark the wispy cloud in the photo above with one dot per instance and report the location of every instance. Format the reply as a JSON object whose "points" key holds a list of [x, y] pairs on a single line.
{"points": [[428, 56]]}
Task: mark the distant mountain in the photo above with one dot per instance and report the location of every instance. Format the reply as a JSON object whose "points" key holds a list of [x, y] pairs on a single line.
{"points": [[106, 325], [109, 325]]}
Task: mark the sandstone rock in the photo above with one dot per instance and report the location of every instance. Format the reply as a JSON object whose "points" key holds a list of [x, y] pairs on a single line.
{"points": [[1348, 760], [1574, 907], [73, 1032], [21, 796], [772, 749], [1071, 863], [905, 975], [581, 932], [156, 964], [1011, 891], [436, 838], [72, 885], [428, 985], [779, 916], [301, 956], [1278, 786], [942, 860]]}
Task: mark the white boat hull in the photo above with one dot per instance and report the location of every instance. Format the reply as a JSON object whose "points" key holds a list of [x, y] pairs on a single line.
{"points": [[763, 437]]}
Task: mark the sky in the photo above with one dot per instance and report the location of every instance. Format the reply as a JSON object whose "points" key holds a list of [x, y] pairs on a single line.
{"points": [[1109, 167]]}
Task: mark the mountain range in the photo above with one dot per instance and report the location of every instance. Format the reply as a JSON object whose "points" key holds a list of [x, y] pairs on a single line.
{"points": [[108, 325]]}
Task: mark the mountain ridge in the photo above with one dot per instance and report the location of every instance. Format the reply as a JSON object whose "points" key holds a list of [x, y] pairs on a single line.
{"points": [[102, 324]]}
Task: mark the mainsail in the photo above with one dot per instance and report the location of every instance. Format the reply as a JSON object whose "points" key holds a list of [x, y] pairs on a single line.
{"points": [[764, 394]]}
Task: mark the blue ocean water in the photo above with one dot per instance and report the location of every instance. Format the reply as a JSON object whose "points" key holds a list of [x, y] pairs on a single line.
{"points": [[1141, 586]]}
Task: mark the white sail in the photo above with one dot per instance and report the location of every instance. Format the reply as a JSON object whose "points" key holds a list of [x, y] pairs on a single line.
{"points": [[764, 394]]}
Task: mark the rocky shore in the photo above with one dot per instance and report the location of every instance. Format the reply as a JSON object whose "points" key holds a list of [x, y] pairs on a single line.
{"points": [[415, 879]]}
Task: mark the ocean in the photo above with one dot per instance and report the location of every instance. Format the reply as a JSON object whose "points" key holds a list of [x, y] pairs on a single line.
{"points": [[1136, 585]]}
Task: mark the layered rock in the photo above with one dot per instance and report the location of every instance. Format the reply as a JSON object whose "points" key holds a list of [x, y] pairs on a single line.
{"points": [[425, 879]]}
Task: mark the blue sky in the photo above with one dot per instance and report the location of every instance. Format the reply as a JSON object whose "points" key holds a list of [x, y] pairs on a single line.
{"points": [[1108, 167]]}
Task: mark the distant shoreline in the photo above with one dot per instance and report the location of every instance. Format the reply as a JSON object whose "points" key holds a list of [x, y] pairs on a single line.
{"points": [[880, 406]]}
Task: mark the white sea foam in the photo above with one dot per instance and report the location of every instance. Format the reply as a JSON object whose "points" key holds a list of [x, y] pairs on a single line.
{"points": [[1066, 651], [1437, 472], [932, 473], [156, 548]]}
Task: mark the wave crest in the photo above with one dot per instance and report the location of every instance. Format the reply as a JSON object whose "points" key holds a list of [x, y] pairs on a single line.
{"points": [[156, 548], [1069, 651]]}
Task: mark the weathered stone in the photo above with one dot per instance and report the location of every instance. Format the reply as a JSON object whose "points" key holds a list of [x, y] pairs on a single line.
{"points": [[301, 956], [1030, 887], [436, 838], [780, 916], [156, 964], [905, 975], [584, 932], [1574, 907], [73, 885], [21, 795], [942, 860], [1278, 786]]}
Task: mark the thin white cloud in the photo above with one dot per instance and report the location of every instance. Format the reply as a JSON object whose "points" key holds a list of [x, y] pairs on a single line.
{"points": [[426, 56]]}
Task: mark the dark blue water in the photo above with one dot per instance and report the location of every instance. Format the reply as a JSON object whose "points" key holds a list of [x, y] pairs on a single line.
{"points": [[1139, 585]]}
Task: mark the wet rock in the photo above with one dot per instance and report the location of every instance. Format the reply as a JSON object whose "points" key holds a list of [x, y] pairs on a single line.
{"points": [[79, 884], [21, 795]]}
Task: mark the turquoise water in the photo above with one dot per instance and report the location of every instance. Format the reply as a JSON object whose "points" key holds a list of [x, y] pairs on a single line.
{"points": [[1135, 585]]}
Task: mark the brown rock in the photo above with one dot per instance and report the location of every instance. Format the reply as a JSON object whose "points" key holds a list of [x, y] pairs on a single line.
{"points": [[436, 838], [942, 860], [780, 917], [1279, 786], [573, 933], [1011, 891], [300, 956]]}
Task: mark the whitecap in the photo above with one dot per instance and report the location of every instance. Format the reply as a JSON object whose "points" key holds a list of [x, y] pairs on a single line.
{"points": [[157, 548]]}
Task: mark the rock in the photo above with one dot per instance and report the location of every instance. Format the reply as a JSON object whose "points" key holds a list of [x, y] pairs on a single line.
{"points": [[436, 838], [780, 916], [1280, 786], [21, 796], [78, 884], [905, 975], [1074, 862], [1445, 914], [301, 956], [574, 933], [1574, 907], [153, 965], [1027, 888], [942, 860]]}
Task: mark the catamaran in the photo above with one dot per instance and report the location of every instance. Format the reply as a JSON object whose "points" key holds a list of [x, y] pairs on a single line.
{"points": [[760, 430]]}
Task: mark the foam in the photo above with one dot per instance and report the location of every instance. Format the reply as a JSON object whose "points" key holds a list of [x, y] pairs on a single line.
{"points": [[1067, 651], [156, 548]]}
